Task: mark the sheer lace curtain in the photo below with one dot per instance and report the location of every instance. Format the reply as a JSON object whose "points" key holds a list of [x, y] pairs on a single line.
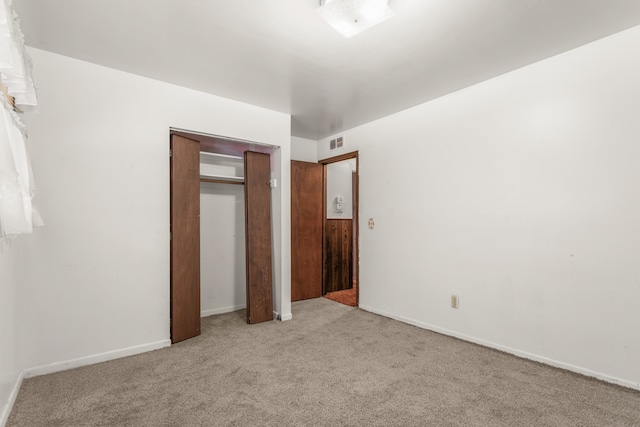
{"points": [[17, 213]]}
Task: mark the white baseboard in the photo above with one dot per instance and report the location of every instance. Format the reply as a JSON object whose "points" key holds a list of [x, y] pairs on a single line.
{"points": [[96, 358], [221, 310], [276, 315], [282, 317], [287, 316], [4, 415], [515, 352]]}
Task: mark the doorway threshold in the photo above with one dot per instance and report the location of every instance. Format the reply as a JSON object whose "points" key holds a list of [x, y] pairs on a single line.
{"points": [[346, 297]]}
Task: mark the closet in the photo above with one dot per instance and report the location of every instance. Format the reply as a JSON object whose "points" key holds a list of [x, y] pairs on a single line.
{"points": [[222, 234], [220, 230]]}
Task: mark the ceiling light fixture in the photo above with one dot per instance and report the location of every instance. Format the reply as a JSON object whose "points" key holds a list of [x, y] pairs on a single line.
{"points": [[350, 17]]}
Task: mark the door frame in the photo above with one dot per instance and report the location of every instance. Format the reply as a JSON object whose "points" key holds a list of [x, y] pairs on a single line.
{"points": [[356, 220]]}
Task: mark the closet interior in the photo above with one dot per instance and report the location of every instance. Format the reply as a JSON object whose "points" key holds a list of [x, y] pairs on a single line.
{"points": [[222, 233]]}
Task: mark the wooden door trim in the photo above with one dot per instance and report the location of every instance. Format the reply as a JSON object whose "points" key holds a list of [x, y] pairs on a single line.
{"points": [[356, 201], [324, 226]]}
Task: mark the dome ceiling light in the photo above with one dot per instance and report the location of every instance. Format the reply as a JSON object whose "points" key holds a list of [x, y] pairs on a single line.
{"points": [[350, 17]]}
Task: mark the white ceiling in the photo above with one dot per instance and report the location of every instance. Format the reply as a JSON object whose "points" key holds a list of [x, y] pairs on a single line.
{"points": [[280, 55]]}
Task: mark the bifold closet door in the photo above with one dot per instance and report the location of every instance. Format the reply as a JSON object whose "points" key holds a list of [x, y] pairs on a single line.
{"points": [[257, 194], [185, 238]]}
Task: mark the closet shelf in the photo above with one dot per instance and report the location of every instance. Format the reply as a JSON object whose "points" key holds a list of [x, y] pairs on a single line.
{"points": [[224, 156]]}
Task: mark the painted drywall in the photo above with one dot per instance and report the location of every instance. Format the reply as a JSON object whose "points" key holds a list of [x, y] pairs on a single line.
{"points": [[222, 248], [519, 195], [304, 150], [98, 277], [10, 353], [339, 184]]}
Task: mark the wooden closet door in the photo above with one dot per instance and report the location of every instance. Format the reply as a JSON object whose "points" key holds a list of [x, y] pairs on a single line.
{"points": [[257, 193], [185, 238], [306, 230]]}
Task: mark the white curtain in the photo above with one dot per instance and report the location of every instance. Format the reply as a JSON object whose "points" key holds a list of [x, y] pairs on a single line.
{"points": [[17, 213], [15, 64]]}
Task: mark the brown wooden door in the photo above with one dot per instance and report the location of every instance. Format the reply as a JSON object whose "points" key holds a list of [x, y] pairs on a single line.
{"points": [[257, 196], [306, 230], [185, 238]]}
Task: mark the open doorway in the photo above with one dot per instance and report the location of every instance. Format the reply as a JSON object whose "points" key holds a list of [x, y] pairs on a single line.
{"points": [[340, 241], [324, 229]]}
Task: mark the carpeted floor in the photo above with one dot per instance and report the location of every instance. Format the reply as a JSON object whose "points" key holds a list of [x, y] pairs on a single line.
{"points": [[332, 365]]}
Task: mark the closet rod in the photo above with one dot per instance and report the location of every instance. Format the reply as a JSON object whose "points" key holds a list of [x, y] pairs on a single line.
{"points": [[221, 181]]}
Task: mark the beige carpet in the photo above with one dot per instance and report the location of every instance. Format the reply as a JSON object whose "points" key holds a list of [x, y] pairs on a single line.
{"points": [[332, 365]]}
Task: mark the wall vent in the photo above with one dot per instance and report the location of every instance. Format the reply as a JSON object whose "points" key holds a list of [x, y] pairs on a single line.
{"points": [[336, 143]]}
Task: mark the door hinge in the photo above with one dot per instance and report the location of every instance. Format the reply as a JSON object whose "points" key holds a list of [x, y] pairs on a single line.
{"points": [[170, 153], [170, 236]]}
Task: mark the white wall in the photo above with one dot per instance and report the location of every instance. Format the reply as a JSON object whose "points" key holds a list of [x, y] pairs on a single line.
{"points": [[304, 150], [10, 355], [222, 248], [339, 183], [98, 280], [520, 195]]}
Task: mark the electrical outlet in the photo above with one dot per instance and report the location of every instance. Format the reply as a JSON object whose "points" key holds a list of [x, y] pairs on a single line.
{"points": [[454, 301]]}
